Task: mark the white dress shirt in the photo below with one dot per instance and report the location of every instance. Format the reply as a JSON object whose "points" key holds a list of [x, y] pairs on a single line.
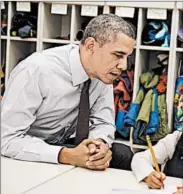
{"points": [[142, 163], [40, 105]]}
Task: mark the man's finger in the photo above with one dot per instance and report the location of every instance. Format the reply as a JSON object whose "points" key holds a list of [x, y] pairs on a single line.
{"points": [[99, 162], [97, 156], [101, 154], [100, 167], [86, 142], [102, 161], [92, 148]]}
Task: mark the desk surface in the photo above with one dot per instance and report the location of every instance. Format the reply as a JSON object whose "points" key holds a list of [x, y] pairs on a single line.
{"points": [[82, 181], [20, 176]]}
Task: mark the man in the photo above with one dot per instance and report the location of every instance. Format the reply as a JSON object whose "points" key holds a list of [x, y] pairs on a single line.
{"points": [[40, 108], [168, 150]]}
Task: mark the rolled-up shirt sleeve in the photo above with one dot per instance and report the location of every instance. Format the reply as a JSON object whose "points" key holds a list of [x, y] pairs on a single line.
{"points": [[19, 105], [102, 116]]}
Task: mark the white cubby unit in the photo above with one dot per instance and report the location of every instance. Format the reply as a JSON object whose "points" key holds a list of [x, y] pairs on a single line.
{"points": [[64, 23], [55, 27]]}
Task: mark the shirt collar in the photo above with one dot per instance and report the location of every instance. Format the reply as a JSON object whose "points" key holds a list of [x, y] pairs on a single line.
{"points": [[79, 75]]}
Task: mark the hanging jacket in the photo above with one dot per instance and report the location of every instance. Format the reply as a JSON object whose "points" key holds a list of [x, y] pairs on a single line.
{"points": [[130, 118], [152, 116], [123, 88], [143, 117], [162, 128], [153, 124], [178, 104], [147, 80]]}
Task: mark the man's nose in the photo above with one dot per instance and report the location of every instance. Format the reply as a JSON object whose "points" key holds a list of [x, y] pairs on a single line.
{"points": [[122, 64]]}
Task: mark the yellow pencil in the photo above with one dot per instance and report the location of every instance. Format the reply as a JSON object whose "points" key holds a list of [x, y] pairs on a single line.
{"points": [[153, 156], [152, 153]]}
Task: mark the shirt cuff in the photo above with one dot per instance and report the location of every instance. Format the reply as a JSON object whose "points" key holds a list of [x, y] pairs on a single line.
{"points": [[50, 154], [143, 174]]}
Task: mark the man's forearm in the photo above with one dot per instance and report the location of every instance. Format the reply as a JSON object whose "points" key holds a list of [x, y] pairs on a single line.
{"points": [[65, 156]]}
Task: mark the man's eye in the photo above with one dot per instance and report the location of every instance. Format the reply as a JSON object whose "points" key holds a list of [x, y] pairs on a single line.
{"points": [[119, 56]]}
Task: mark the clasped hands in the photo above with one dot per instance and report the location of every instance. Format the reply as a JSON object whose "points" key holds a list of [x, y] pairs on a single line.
{"points": [[91, 153], [99, 155]]}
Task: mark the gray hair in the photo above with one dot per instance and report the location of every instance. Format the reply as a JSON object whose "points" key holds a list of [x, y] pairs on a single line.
{"points": [[105, 26]]}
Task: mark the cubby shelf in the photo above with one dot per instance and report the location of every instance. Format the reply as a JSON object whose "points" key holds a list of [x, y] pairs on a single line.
{"points": [[153, 48], [179, 49], [46, 40], [23, 39], [61, 29], [4, 37]]}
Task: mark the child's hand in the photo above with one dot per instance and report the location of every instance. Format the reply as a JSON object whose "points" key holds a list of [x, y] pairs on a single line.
{"points": [[179, 190], [155, 180]]}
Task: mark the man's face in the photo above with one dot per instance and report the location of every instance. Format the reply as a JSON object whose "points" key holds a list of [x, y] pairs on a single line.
{"points": [[107, 62]]}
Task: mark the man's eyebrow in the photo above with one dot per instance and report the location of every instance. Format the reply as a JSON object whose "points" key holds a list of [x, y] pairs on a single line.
{"points": [[120, 53]]}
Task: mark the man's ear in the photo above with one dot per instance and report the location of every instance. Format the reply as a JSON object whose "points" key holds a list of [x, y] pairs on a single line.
{"points": [[90, 44]]}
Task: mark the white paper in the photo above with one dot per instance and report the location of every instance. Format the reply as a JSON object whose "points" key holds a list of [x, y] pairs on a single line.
{"points": [[23, 6], [126, 191], [129, 191], [127, 12], [168, 189], [2, 5], [153, 13], [58, 8], [89, 10], [155, 191]]}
